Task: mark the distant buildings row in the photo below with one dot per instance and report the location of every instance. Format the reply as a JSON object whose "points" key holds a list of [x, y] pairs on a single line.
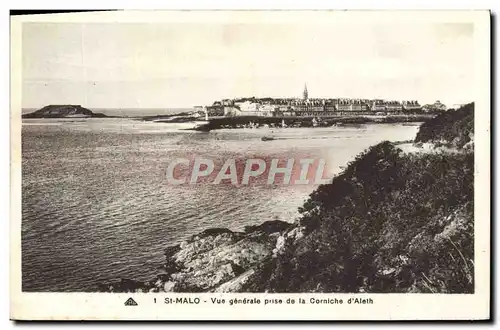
{"points": [[317, 107]]}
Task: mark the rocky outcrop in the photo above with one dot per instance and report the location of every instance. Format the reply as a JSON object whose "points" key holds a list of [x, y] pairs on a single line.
{"points": [[216, 259], [391, 222]]}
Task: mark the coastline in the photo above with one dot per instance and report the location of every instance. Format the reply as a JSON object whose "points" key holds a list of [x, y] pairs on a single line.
{"points": [[214, 260], [274, 122], [410, 218], [232, 122]]}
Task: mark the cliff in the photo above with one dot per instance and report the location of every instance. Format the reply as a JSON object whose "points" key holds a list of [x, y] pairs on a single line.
{"points": [[391, 222], [63, 111]]}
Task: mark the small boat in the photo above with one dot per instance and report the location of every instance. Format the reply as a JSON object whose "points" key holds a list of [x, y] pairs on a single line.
{"points": [[267, 138]]}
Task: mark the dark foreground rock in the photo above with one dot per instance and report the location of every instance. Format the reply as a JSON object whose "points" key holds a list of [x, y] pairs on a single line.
{"points": [[216, 259]]}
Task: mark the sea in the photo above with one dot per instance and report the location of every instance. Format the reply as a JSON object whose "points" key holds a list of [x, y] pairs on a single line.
{"points": [[97, 205]]}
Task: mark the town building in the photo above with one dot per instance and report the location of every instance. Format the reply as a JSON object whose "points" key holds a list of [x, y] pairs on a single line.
{"points": [[393, 106], [313, 107], [378, 106], [410, 106]]}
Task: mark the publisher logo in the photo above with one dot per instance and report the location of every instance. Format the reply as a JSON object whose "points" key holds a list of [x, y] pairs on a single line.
{"points": [[130, 302]]}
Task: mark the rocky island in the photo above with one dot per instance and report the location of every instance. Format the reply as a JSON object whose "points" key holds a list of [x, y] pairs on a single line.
{"points": [[392, 221], [63, 111]]}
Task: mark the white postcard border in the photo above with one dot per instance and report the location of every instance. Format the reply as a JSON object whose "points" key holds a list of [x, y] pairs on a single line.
{"points": [[107, 306]]}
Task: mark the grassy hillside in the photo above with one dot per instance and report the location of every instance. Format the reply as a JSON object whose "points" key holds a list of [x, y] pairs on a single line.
{"points": [[391, 222]]}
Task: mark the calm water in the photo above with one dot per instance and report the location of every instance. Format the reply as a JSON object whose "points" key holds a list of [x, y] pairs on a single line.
{"points": [[97, 205]]}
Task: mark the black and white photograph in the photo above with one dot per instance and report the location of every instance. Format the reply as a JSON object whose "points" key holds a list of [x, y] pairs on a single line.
{"points": [[271, 153]]}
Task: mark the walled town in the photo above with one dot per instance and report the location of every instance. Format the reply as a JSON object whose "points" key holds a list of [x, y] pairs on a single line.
{"points": [[314, 107]]}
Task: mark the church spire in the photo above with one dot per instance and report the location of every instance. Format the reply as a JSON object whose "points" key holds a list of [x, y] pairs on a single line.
{"points": [[305, 95]]}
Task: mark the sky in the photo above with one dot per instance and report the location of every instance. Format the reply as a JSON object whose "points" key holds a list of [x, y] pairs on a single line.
{"points": [[180, 65]]}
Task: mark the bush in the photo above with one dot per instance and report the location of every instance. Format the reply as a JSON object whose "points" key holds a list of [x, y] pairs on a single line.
{"points": [[452, 127], [389, 223]]}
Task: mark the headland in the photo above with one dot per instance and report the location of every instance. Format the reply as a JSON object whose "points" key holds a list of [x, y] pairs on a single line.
{"points": [[391, 222]]}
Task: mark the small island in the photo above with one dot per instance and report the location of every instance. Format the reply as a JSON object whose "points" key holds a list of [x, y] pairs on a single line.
{"points": [[63, 111]]}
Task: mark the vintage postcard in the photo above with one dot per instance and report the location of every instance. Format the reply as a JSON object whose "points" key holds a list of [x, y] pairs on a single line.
{"points": [[250, 165]]}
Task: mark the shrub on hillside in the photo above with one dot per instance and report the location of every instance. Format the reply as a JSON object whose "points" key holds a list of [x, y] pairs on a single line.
{"points": [[392, 222], [451, 128]]}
